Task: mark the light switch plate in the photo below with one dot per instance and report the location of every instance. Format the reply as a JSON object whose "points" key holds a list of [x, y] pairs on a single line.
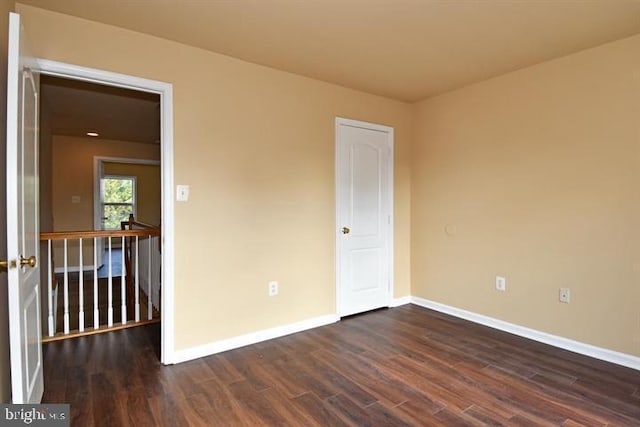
{"points": [[182, 193]]}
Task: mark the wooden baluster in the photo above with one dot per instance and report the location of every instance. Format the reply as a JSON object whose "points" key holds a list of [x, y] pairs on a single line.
{"points": [[137, 281], [66, 289], [110, 290], [96, 262], [50, 274], [130, 278], [80, 289], [149, 303], [157, 256], [134, 276], [123, 284]]}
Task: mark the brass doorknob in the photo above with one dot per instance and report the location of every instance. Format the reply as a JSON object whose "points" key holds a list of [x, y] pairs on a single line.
{"points": [[345, 230], [31, 261]]}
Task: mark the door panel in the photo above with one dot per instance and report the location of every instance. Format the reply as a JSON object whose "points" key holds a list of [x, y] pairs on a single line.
{"points": [[22, 221], [365, 269], [366, 173], [32, 337], [364, 207]]}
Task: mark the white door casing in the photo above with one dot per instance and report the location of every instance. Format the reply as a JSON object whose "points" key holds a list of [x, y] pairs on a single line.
{"points": [[22, 220], [165, 91], [364, 216]]}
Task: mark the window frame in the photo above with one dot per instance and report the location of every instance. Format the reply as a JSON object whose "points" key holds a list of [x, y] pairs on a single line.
{"points": [[134, 197]]}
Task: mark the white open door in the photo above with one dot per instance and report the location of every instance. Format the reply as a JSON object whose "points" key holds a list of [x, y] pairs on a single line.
{"points": [[364, 197], [22, 221]]}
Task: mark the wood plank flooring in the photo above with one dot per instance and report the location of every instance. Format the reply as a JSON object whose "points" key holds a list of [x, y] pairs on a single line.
{"points": [[406, 366]]}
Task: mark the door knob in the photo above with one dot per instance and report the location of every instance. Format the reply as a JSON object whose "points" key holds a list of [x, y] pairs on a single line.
{"points": [[345, 230], [31, 261]]}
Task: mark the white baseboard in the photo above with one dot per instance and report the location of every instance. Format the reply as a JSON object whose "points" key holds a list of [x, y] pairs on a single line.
{"points": [[73, 269], [554, 340], [280, 331], [397, 302], [251, 338]]}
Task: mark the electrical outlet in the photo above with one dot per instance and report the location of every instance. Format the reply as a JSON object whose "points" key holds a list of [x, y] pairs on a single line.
{"points": [[565, 295], [273, 288], [501, 283]]}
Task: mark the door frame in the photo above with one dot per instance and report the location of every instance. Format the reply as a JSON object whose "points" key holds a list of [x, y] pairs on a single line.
{"points": [[165, 91], [390, 242]]}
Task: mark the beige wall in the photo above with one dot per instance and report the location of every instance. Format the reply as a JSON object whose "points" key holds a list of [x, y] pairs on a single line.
{"points": [[539, 172], [536, 171], [257, 147], [5, 375], [147, 188]]}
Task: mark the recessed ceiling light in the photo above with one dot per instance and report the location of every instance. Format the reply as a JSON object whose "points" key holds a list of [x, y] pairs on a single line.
{"points": [[94, 134]]}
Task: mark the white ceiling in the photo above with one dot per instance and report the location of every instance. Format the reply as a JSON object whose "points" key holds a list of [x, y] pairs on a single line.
{"points": [[402, 49], [118, 114]]}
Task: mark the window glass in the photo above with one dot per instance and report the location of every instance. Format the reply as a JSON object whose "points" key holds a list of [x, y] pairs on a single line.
{"points": [[118, 200]]}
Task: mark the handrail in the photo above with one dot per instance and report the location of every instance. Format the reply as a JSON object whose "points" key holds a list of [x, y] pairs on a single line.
{"points": [[131, 222], [60, 235]]}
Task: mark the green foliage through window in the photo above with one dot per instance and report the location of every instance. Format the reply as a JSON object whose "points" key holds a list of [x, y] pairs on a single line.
{"points": [[118, 200]]}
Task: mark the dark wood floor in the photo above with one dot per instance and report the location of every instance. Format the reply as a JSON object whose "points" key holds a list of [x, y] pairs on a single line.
{"points": [[403, 366]]}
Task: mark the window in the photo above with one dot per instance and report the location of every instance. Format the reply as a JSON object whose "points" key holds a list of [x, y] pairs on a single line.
{"points": [[118, 195]]}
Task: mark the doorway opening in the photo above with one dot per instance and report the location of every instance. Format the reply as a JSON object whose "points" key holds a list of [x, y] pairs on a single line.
{"points": [[120, 105]]}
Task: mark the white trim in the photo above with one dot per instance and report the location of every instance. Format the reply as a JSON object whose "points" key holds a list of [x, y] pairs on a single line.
{"points": [[397, 302], [13, 87], [252, 338], [73, 269], [363, 125], [543, 337], [126, 160], [165, 90], [340, 121]]}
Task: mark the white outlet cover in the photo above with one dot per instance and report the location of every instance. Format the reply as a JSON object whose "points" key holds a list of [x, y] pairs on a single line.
{"points": [[501, 283], [273, 288]]}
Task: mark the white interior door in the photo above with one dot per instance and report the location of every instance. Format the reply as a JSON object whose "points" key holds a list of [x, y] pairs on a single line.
{"points": [[22, 221], [364, 197]]}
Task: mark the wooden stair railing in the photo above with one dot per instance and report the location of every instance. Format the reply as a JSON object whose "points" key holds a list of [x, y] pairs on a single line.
{"points": [[75, 239], [132, 224]]}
